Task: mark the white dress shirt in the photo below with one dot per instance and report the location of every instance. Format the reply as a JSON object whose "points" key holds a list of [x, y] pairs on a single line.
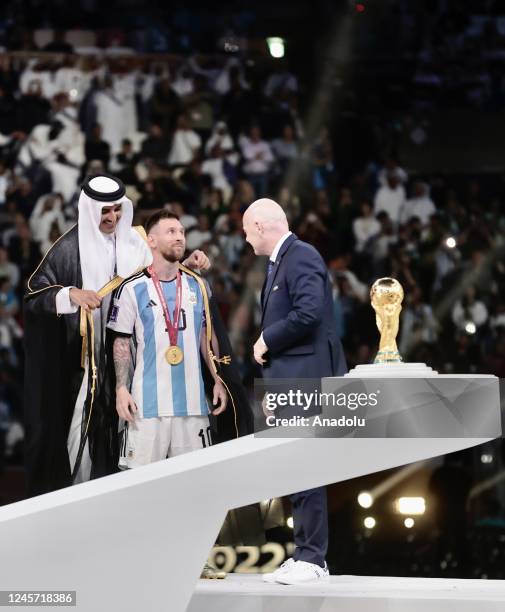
{"points": [[273, 258], [277, 247]]}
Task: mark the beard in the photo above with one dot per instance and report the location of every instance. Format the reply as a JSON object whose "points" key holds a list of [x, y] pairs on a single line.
{"points": [[171, 255]]}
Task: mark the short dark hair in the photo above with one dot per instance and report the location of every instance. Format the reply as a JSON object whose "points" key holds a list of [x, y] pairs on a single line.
{"points": [[155, 218]]}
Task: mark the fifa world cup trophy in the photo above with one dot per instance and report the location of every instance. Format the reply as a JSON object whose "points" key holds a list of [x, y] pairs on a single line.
{"points": [[387, 296]]}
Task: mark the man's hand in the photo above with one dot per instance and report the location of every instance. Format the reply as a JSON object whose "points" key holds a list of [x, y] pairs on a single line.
{"points": [[197, 261], [125, 406], [260, 348], [219, 399], [89, 300]]}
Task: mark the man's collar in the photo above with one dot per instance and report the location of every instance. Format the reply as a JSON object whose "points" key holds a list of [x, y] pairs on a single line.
{"points": [[109, 237], [277, 248]]}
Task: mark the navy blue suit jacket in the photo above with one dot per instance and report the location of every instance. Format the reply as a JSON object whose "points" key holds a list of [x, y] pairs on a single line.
{"points": [[298, 319]]}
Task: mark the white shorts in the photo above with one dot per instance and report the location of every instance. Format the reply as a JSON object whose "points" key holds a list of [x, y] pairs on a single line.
{"points": [[154, 439]]}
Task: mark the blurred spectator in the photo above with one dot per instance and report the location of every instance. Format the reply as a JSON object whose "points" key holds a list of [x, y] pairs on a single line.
{"points": [[8, 122], [391, 167], [200, 234], [239, 105], [200, 108], [469, 310], [418, 324], [59, 43], [285, 148], [8, 299], [8, 269], [221, 169], [496, 321], [379, 245], [32, 108], [341, 217], [47, 212], [10, 330], [220, 137], [109, 114], [5, 179], [96, 147], [123, 163], [151, 199], [186, 143], [258, 160], [155, 146], [312, 230], [24, 251], [232, 242], [420, 206], [365, 227], [165, 105], [281, 80], [187, 221], [183, 82], [323, 162], [390, 197]]}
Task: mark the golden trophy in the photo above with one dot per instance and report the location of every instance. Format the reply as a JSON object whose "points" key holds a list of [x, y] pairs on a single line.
{"points": [[387, 296]]}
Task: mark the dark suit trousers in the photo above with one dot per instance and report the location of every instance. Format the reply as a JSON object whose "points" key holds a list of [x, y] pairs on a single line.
{"points": [[310, 518]]}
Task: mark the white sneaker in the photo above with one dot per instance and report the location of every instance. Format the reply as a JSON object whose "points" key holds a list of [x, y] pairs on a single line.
{"points": [[272, 577], [302, 572]]}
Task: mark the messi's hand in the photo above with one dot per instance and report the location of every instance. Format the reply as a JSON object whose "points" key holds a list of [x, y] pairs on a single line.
{"points": [[125, 406], [219, 398]]}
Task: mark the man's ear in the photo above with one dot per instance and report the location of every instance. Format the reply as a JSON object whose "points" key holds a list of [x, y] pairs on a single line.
{"points": [[151, 241]]}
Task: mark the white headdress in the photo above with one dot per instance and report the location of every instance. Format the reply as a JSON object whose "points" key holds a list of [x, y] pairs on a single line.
{"points": [[132, 251]]}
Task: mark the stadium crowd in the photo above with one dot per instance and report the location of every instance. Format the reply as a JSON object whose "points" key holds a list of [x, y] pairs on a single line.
{"points": [[205, 138]]}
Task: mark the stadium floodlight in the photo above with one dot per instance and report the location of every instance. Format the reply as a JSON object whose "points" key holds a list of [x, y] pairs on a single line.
{"points": [[450, 242], [411, 505], [369, 522], [365, 499], [470, 327], [276, 46], [409, 522]]}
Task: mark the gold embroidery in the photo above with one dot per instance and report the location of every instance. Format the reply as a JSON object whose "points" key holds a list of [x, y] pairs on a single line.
{"points": [[226, 359], [42, 261], [141, 231], [86, 316]]}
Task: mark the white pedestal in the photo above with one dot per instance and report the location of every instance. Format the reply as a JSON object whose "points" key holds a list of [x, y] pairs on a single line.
{"points": [[392, 370]]}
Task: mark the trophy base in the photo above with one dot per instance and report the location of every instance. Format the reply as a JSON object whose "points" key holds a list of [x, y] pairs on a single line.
{"points": [[388, 357], [392, 370]]}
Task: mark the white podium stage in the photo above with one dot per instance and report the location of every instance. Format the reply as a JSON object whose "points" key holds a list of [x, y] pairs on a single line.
{"points": [[138, 540], [350, 594]]}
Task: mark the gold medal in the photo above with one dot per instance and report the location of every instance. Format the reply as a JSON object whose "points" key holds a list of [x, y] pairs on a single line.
{"points": [[174, 354]]}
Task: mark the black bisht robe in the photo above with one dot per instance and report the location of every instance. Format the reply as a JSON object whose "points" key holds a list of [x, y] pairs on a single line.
{"points": [[223, 426], [53, 376]]}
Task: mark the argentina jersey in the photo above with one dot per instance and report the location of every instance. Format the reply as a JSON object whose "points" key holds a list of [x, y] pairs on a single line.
{"points": [[158, 388]]}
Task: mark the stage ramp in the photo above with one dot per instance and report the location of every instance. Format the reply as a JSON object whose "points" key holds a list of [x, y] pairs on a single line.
{"points": [[138, 540]]}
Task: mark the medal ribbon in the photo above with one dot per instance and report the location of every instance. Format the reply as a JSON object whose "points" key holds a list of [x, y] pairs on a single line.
{"points": [[171, 328]]}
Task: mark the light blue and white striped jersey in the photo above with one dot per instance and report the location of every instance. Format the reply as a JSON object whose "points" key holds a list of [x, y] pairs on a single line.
{"points": [[158, 388]]}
